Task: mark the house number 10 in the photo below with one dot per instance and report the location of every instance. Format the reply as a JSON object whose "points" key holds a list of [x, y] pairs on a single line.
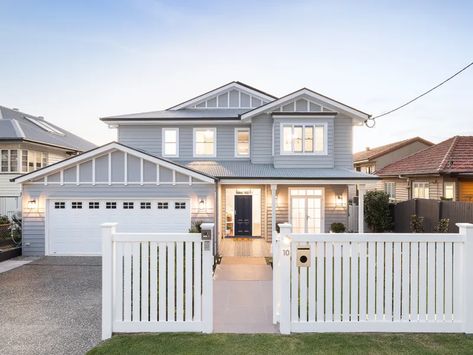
{"points": [[285, 252]]}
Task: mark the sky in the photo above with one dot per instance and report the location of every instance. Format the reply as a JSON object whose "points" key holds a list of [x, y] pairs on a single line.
{"points": [[75, 61]]}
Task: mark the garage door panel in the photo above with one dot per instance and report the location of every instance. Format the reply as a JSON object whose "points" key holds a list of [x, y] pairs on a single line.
{"points": [[76, 231]]}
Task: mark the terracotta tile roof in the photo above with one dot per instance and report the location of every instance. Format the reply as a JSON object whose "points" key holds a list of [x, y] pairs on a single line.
{"points": [[454, 155], [372, 153]]}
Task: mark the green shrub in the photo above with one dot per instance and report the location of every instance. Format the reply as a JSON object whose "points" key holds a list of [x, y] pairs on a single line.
{"points": [[377, 212], [337, 227], [416, 224], [442, 225], [195, 227]]}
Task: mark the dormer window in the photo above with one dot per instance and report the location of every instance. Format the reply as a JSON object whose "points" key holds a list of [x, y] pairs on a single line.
{"points": [[303, 139], [170, 142], [242, 142], [205, 142]]}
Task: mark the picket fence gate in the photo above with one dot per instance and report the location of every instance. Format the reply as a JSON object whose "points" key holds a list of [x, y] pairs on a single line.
{"points": [[373, 282], [156, 282]]}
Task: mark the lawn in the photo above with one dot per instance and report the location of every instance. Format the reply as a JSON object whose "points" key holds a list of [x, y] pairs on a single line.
{"points": [[173, 343]]}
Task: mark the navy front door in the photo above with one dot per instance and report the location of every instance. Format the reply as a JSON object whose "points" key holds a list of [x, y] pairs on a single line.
{"points": [[243, 213]]}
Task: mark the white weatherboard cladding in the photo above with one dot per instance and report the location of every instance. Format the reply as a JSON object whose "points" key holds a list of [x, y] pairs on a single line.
{"points": [[77, 231], [149, 139]]}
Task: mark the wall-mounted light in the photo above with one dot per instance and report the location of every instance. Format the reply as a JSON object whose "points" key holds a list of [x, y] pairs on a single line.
{"points": [[340, 201], [202, 204], [32, 204]]}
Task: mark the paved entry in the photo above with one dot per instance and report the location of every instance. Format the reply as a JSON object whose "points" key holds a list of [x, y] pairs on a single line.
{"points": [[243, 296]]}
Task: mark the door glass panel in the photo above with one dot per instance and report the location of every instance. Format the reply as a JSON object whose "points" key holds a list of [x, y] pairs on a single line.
{"points": [[298, 214], [314, 215]]}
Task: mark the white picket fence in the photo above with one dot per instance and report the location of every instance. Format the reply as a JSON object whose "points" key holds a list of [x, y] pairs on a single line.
{"points": [[374, 282], [156, 282]]}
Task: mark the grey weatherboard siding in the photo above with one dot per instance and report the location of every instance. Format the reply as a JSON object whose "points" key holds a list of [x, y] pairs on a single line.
{"points": [[339, 137], [149, 139]]}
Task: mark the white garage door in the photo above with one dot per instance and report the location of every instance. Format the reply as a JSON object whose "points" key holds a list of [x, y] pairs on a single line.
{"points": [[73, 226]]}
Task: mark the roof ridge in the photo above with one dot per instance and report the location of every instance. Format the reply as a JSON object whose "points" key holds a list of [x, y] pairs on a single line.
{"points": [[448, 154]]}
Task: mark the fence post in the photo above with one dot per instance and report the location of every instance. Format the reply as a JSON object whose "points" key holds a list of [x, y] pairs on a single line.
{"points": [[108, 229], [285, 278], [466, 229], [276, 276], [207, 276]]}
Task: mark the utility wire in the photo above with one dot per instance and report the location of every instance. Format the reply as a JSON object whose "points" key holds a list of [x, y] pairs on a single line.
{"points": [[423, 94]]}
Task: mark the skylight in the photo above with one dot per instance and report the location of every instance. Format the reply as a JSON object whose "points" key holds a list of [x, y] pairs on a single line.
{"points": [[44, 125]]}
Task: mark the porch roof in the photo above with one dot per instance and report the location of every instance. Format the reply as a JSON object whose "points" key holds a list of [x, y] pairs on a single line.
{"points": [[245, 169]]}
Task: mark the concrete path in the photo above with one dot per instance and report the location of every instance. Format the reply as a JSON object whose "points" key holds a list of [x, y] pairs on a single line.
{"points": [[243, 296], [51, 306], [11, 264]]}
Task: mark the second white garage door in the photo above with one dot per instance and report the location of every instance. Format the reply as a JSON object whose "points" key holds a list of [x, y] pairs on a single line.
{"points": [[73, 225]]}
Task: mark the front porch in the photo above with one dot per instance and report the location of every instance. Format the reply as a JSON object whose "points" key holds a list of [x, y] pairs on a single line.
{"points": [[248, 213]]}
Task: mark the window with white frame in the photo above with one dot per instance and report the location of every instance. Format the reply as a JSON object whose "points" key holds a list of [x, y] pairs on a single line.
{"points": [[303, 139], [205, 142], [242, 142], [171, 142], [449, 190], [420, 189], [390, 189]]}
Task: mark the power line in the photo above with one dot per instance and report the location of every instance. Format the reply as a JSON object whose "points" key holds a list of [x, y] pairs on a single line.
{"points": [[423, 94]]}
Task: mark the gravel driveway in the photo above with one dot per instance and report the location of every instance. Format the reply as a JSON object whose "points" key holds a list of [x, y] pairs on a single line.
{"points": [[51, 306]]}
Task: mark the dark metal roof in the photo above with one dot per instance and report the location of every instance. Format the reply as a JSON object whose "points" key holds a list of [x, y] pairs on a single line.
{"points": [[15, 126]]}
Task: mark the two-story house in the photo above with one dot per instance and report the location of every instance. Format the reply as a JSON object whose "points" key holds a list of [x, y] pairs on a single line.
{"points": [[235, 155], [28, 143]]}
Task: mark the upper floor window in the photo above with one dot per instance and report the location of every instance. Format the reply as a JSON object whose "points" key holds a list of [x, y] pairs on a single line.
{"points": [[420, 189], [370, 169], [205, 142], [171, 142], [303, 139], [242, 142], [15, 160]]}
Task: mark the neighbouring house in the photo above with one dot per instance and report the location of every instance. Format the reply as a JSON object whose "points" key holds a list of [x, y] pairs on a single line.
{"points": [[374, 159], [371, 160], [442, 171], [236, 156], [28, 143]]}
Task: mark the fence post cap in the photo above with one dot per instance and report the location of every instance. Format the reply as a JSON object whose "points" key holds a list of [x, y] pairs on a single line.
{"points": [[207, 226], [465, 225], [108, 224]]}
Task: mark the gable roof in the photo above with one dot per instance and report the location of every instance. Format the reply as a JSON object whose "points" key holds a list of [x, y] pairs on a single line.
{"points": [[372, 153], [19, 126], [454, 155], [64, 164], [233, 84], [301, 92]]}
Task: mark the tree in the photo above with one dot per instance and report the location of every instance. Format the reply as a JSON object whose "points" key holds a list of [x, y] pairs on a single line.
{"points": [[377, 214]]}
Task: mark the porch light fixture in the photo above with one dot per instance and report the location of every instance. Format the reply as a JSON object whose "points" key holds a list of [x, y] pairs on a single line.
{"points": [[32, 204], [339, 201], [201, 204]]}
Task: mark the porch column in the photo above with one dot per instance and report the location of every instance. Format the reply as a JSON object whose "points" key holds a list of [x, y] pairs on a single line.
{"points": [[361, 208], [274, 188]]}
